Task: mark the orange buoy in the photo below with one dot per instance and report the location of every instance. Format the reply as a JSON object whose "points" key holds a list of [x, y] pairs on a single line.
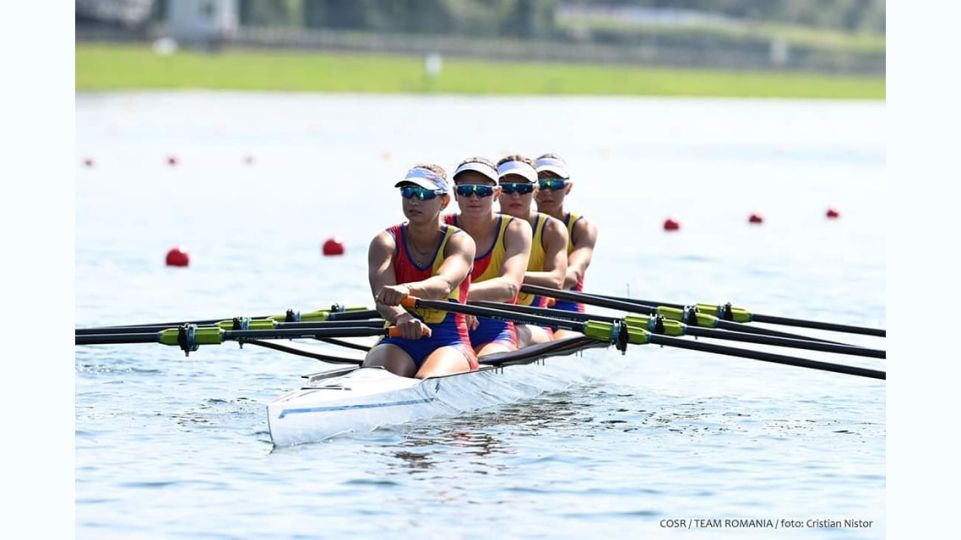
{"points": [[178, 257], [832, 213], [670, 224], [333, 246], [756, 218]]}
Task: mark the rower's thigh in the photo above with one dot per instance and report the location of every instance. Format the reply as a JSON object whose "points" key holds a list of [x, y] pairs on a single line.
{"points": [[444, 361], [559, 334], [534, 335], [392, 358], [495, 347]]}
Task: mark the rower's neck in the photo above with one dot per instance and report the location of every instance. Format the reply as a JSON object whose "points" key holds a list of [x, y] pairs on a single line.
{"points": [[423, 234], [478, 225], [559, 213]]}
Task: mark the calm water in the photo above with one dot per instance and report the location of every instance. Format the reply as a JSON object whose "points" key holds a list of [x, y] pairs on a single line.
{"points": [[168, 446]]}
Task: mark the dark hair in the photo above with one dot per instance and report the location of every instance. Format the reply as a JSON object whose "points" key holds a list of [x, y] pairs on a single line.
{"points": [[515, 157]]}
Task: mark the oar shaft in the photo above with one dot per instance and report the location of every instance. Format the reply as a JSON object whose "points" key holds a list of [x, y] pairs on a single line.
{"points": [[634, 307], [847, 328], [746, 328], [545, 312], [109, 339], [766, 357], [784, 342], [320, 324], [559, 294], [497, 314]]}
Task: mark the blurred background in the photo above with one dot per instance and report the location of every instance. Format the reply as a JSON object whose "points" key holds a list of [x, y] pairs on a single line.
{"points": [[806, 38]]}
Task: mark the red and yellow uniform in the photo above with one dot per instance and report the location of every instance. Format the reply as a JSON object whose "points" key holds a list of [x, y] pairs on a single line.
{"points": [[447, 329], [487, 265], [536, 261], [570, 219]]}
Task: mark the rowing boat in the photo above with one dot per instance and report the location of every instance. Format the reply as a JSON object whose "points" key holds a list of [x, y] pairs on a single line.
{"points": [[362, 399]]}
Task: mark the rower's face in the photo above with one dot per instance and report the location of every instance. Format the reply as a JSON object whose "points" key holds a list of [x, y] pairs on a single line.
{"points": [[474, 204], [418, 210], [513, 201], [551, 199]]}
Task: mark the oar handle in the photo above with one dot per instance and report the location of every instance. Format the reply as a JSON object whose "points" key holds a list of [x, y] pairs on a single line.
{"points": [[393, 331]]}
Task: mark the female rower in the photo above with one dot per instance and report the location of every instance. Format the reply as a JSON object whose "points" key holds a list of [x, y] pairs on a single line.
{"points": [[554, 186], [426, 259], [547, 266], [504, 245]]}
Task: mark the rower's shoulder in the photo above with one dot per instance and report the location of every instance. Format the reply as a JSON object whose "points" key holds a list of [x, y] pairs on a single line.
{"points": [[584, 229], [552, 225], [383, 242], [460, 241], [519, 226]]}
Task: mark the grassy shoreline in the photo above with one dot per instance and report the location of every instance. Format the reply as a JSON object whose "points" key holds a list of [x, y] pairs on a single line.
{"points": [[109, 67]]}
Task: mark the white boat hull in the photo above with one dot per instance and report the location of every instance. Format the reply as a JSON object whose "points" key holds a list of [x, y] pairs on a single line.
{"points": [[365, 398]]}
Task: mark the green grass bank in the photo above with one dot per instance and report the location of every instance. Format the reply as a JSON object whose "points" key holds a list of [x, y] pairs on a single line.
{"points": [[106, 67]]}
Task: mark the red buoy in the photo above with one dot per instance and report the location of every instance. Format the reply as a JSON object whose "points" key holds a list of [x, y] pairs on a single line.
{"points": [[88, 162], [249, 159], [756, 218], [670, 224], [832, 213], [177, 257], [333, 246], [171, 160]]}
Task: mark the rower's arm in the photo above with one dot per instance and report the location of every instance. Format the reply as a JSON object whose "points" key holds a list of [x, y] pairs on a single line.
{"points": [[555, 257], [585, 236], [517, 252], [380, 273], [456, 267]]}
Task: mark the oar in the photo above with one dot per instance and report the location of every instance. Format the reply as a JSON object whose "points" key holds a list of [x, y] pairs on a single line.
{"points": [[189, 337], [691, 317], [335, 313], [620, 334], [736, 314], [238, 324], [659, 325]]}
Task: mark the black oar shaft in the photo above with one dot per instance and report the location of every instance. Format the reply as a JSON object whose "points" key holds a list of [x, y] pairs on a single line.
{"points": [[502, 314], [292, 325], [354, 315], [850, 329], [766, 357], [784, 342], [620, 305], [737, 331], [746, 328], [633, 307], [109, 339], [546, 312]]}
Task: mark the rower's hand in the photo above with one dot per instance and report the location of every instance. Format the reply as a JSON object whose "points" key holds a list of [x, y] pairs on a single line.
{"points": [[391, 295], [411, 327], [472, 322]]}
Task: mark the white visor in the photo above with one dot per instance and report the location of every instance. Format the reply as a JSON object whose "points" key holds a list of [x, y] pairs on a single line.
{"points": [[477, 166], [426, 179], [519, 168], [553, 165]]}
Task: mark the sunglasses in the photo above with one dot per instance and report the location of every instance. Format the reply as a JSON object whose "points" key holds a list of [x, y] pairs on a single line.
{"points": [[424, 194], [522, 189], [481, 190], [552, 184]]}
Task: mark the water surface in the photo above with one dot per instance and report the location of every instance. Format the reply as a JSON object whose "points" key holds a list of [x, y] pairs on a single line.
{"points": [[168, 446]]}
